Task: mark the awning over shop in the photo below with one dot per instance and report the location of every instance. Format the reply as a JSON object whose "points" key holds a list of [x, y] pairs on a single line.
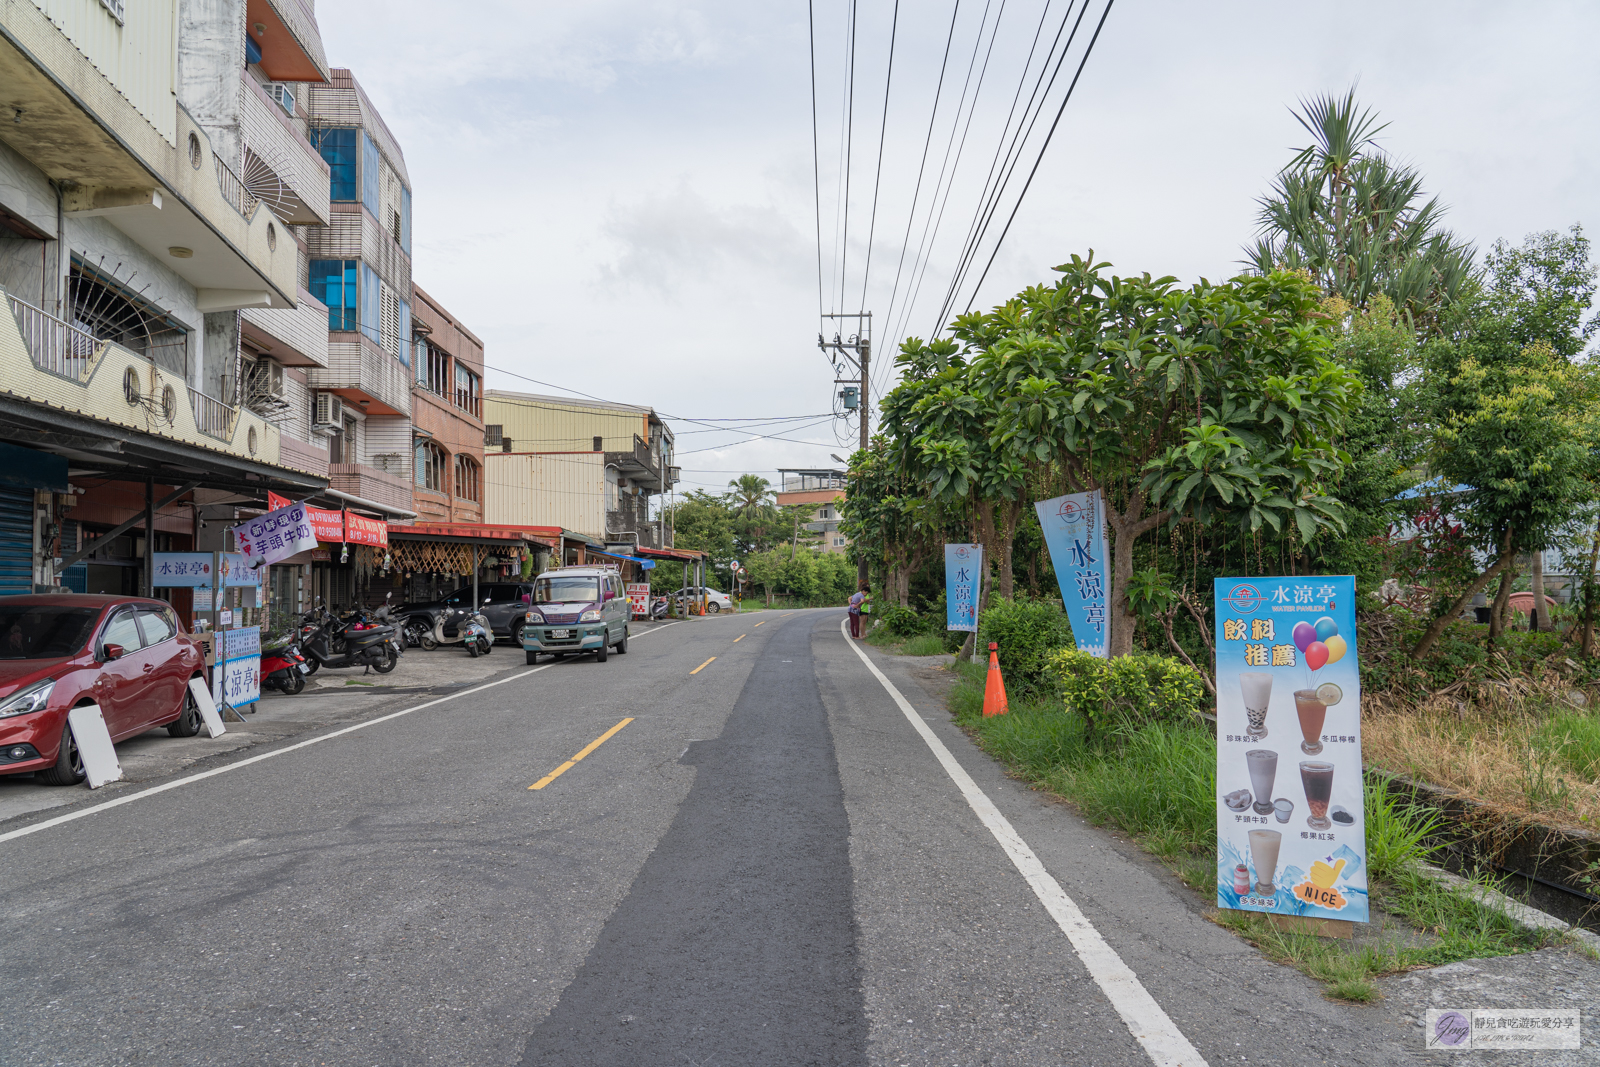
{"points": [[646, 564], [681, 555]]}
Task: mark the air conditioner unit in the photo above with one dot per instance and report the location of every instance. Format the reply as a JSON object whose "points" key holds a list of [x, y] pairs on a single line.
{"points": [[330, 411], [283, 96], [266, 378]]}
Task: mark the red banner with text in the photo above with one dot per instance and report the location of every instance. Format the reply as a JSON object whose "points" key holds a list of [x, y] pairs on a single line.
{"points": [[327, 525], [364, 531]]}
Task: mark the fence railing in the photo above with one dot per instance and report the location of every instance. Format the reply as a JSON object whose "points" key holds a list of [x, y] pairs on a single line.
{"points": [[233, 190], [56, 346], [212, 416]]}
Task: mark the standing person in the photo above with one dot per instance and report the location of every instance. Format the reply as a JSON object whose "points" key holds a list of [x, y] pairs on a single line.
{"points": [[857, 600]]}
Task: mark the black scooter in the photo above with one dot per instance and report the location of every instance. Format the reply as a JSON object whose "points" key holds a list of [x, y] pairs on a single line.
{"points": [[326, 642]]}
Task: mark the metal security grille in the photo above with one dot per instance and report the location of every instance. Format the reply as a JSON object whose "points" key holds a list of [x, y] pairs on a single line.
{"points": [[16, 541]]}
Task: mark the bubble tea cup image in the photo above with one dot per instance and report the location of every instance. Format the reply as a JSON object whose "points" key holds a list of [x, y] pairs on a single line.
{"points": [[1263, 764], [1317, 778], [1264, 846], [1256, 688]]}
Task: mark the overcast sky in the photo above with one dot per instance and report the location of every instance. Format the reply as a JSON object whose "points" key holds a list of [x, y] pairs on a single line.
{"points": [[618, 196]]}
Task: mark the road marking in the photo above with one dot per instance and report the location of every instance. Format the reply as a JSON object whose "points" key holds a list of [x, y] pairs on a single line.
{"points": [[763, 622], [1149, 1024], [131, 797], [590, 747], [702, 666], [741, 637], [653, 629]]}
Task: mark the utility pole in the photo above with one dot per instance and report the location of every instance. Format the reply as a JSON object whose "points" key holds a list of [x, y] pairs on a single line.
{"points": [[857, 349]]}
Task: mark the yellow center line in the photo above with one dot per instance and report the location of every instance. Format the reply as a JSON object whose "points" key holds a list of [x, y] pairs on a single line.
{"points": [[741, 637], [763, 622], [590, 747], [702, 666]]}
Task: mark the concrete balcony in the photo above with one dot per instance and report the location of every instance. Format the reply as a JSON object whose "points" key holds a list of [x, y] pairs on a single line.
{"points": [[295, 338], [291, 43], [148, 169], [281, 169], [370, 483], [79, 392], [359, 370]]}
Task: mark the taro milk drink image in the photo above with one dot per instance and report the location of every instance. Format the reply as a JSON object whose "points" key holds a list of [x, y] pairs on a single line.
{"points": [[1302, 837]]}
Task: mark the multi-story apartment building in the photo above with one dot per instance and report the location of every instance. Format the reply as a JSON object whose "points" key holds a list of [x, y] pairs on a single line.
{"points": [[585, 465], [148, 199], [359, 268], [446, 415], [821, 490]]}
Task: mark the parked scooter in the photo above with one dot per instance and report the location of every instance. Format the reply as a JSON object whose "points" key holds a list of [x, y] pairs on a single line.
{"points": [[457, 626], [660, 606], [376, 647], [284, 668]]}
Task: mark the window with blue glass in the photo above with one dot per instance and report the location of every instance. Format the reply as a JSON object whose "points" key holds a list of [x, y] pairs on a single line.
{"points": [[338, 146], [333, 281]]}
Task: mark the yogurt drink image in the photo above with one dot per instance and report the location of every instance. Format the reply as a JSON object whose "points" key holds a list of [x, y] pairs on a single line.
{"points": [[1317, 778], [1313, 713], [1264, 854], [1256, 687], [1263, 766]]}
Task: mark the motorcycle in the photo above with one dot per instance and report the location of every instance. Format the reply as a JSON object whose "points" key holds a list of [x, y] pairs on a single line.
{"points": [[457, 626], [660, 606], [284, 668], [375, 647]]}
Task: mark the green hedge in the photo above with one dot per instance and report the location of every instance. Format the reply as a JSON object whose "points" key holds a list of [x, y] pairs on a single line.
{"points": [[1129, 691], [1029, 633]]}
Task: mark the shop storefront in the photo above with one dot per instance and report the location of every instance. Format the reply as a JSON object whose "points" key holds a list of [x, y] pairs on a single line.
{"points": [[431, 560]]}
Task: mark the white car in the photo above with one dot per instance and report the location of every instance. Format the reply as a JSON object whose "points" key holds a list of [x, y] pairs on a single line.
{"points": [[715, 601]]}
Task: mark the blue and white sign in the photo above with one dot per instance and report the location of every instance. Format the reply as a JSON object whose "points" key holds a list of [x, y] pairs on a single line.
{"points": [[234, 570], [179, 570], [1291, 836], [1075, 532], [275, 536], [237, 676], [963, 584]]}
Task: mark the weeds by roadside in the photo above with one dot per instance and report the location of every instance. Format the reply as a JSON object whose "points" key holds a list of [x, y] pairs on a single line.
{"points": [[1157, 783]]}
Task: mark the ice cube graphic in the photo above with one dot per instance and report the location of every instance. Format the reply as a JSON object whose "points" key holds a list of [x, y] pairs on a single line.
{"points": [[1352, 861]]}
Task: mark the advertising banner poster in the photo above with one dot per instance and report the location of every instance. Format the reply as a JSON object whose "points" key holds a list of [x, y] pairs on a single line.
{"points": [[639, 599], [327, 526], [1291, 836], [1075, 533], [237, 676], [182, 569], [275, 536], [360, 530], [963, 579]]}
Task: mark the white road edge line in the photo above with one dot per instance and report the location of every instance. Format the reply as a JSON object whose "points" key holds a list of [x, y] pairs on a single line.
{"points": [[1145, 1019], [191, 779]]}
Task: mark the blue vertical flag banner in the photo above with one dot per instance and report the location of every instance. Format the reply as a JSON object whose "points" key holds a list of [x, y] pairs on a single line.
{"points": [[1075, 532], [1291, 836], [963, 583]]}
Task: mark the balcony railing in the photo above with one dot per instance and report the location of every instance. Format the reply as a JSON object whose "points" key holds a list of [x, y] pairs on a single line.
{"points": [[211, 415], [56, 346], [233, 190]]}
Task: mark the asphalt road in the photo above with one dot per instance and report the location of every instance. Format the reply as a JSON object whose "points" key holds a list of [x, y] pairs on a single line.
{"points": [[767, 865]]}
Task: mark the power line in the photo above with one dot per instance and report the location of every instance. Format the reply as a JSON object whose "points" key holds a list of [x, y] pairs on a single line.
{"points": [[850, 124], [816, 151], [1042, 149], [883, 129]]}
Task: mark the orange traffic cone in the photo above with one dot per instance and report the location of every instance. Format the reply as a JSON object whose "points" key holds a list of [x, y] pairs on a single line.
{"points": [[994, 693]]}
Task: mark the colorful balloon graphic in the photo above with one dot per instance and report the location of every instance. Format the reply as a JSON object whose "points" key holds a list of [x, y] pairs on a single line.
{"points": [[1316, 655], [1326, 628], [1304, 634], [1336, 648]]}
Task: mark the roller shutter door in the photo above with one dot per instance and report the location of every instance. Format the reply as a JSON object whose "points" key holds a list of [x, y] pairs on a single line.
{"points": [[16, 541]]}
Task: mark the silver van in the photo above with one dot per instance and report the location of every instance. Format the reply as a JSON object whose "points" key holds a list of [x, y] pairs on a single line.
{"points": [[574, 610]]}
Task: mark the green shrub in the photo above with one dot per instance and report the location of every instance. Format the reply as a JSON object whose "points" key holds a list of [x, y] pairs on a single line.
{"points": [[901, 622], [1129, 691], [1029, 633]]}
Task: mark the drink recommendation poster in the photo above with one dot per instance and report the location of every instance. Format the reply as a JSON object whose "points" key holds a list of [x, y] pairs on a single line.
{"points": [[1075, 533], [1291, 836], [963, 574]]}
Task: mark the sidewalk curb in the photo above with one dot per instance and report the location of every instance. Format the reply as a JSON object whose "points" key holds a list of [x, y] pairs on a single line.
{"points": [[1516, 911]]}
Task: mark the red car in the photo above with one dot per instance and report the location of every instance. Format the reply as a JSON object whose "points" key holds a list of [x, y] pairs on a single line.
{"points": [[129, 655]]}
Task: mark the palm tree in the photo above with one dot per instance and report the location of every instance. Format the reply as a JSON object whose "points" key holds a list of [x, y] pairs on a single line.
{"points": [[750, 493], [1352, 218]]}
